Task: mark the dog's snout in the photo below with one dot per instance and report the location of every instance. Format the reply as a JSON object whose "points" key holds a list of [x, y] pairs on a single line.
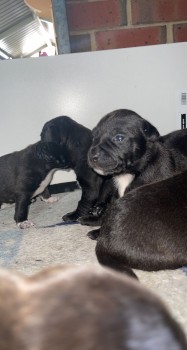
{"points": [[95, 157], [94, 154]]}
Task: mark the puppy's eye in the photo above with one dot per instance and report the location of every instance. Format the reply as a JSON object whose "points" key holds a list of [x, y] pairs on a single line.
{"points": [[118, 138]]}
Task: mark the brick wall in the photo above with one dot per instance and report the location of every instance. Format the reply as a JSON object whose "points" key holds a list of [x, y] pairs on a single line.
{"points": [[111, 24]]}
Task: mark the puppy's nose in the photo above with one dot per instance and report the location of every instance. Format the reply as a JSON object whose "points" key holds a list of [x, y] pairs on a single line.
{"points": [[94, 154], [95, 158]]}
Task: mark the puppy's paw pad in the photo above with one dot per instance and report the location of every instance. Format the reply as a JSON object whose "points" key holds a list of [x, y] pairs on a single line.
{"points": [[25, 224], [50, 199]]}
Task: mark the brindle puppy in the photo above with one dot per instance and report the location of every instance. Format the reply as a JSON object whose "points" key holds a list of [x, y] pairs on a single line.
{"points": [[83, 308]]}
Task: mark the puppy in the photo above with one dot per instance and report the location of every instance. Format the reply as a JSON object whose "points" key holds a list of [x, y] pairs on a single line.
{"points": [[130, 149], [26, 173], [76, 139], [147, 228], [126, 146], [176, 140], [83, 308]]}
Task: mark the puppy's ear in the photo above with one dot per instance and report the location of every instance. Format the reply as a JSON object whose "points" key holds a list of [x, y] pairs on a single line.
{"points": [[50, 133], [150, 132]]}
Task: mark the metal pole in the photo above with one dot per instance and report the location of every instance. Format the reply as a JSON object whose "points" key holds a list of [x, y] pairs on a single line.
{"points": [[61, 26]]}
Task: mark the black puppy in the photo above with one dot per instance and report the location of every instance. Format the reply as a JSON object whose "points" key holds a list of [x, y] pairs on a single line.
{"points": [[147, 228], [44, 312], [26, 173], [176, 140], [76, 139], [126, 146], [130, 149]]}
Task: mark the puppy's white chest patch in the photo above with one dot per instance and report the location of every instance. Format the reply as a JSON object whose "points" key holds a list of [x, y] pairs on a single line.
{"points": [[44, 183], [122, 181]]}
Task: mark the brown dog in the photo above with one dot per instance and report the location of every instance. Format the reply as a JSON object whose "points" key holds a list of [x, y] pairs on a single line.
{"points": [[83, 308]]}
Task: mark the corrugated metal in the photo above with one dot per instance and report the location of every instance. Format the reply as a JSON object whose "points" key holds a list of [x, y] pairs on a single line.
{"points": [[12, 12], [21, 32]]}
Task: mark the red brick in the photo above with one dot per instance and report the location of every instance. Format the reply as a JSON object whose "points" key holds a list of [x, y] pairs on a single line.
{"points": [[80, 43], [180, 32], [94, 14], [130, 37], [154, 11]]}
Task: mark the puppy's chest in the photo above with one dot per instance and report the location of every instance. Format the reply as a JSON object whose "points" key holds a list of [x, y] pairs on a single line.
{"points": [[122, 181], [44, 183]]}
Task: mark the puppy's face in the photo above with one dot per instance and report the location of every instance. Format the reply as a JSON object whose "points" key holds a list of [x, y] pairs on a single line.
{"points": [[119, 141]]}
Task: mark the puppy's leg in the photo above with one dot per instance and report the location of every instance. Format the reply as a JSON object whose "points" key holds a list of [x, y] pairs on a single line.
{"points": [[90, 220], [46, 197], [95, 215], [94, 234], [107, 260], [96, 212], [21, 210], [83, 207], [90, 192]]}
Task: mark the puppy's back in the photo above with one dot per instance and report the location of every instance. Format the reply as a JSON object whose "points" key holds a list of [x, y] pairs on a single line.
{"points": [[83, 308], [9, 164], [146, 229]]}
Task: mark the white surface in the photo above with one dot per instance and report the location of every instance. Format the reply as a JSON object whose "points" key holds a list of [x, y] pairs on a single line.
{"points": [[181, 106], [85, 86]]}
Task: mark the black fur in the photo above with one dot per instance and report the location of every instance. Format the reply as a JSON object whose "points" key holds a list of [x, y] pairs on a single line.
{"points": [[147, 228], [76, 139], [142, 152], [22, 172], [95, 155], [176, 140], [124, 143]]}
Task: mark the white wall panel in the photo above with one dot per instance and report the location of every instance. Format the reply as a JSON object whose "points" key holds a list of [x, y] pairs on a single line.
{"points": [[86, 86]]}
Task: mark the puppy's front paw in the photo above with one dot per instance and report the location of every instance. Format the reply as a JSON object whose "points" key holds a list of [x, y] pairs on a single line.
{"points": [[90, 220], [25, 224], [50, 199], [98, 209], [93, 234], [73, 216]]}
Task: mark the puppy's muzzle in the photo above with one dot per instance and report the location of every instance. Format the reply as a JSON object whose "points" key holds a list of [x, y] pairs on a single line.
{"points": [[101, 161], [94, 154]]}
